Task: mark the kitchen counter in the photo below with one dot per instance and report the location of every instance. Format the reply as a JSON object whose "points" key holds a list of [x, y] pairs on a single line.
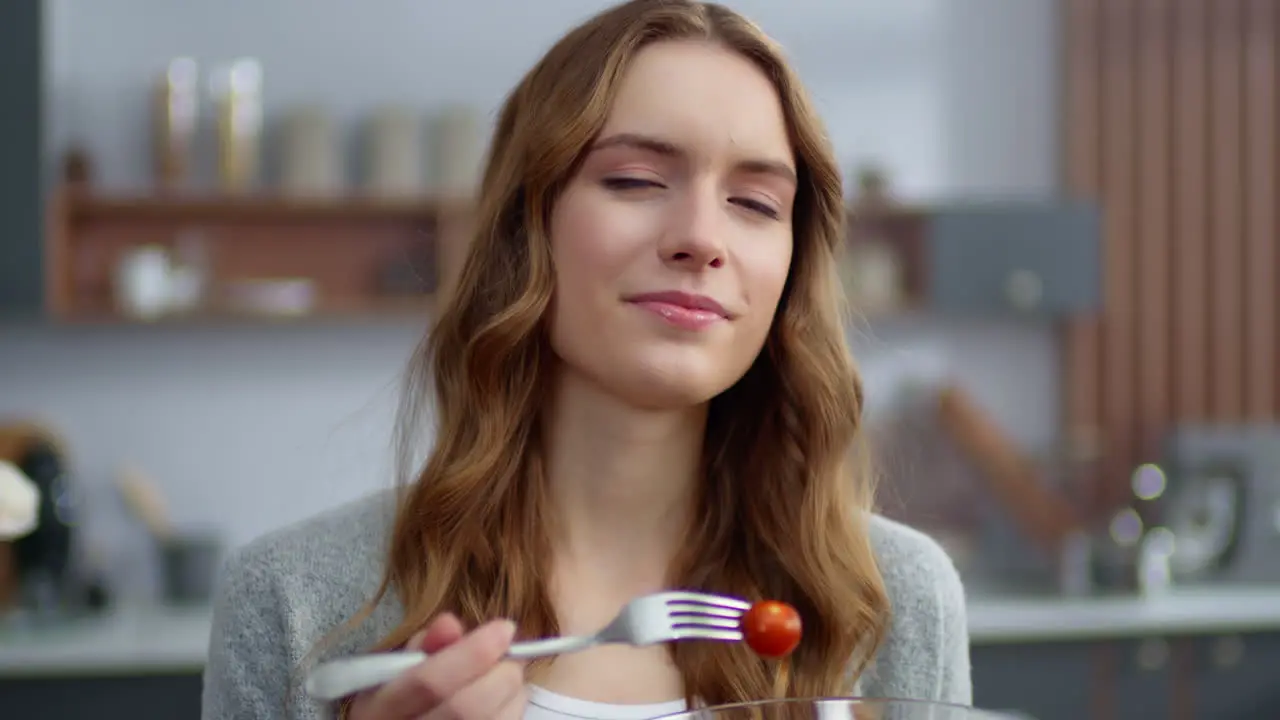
{"points": [[1183, 611], [136, 640], [167, 640]]}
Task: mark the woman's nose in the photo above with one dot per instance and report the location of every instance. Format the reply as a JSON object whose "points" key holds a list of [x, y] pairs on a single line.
{"points": [[694, 237]]}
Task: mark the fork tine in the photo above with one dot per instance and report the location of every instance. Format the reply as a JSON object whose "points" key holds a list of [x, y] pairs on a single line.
{"points": [[700, 634], [724, 601], [705, 621], [684, 608]]}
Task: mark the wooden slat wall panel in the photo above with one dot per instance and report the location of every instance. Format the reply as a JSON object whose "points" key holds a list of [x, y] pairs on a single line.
{"points": [[1154, 262], [1119, 141], [1226, 205], [1082, 365], [1261, 231], [1170, 120], [1189, 241]]}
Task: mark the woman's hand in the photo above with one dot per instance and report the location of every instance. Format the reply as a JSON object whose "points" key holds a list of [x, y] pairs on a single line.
{"points": [[465, 677]]}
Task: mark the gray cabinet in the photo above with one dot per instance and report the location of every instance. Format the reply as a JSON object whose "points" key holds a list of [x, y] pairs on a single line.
{"points": [[1145, 671], [1237, 676], [1044, 681], [1194, 677], [118, 697], [21, 189], [1013, 258]]}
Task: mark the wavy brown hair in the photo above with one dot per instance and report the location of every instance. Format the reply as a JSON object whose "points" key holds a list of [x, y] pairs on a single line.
{"points": [[783, 510]]}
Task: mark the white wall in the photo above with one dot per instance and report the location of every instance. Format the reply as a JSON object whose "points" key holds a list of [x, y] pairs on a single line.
{"points": [[950, 95]]}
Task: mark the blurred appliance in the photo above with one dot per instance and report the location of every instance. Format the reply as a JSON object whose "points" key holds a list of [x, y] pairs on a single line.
{"points": [[188, 562], [42, 560], [19, 503], [1222, 503], [1042, 514]]}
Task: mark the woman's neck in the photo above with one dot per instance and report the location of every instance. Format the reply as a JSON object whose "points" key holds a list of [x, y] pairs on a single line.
{"points": [[622, 481]]}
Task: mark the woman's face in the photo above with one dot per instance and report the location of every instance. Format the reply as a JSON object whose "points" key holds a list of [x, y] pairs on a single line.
{"points": [[673, 241]]}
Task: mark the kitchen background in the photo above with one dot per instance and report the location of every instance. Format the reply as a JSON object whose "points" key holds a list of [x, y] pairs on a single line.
{"points": [[248, 427], [992, 123]]}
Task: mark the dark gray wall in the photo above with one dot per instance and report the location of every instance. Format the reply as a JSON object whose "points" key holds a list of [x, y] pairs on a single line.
{"points": [[21, 203]]}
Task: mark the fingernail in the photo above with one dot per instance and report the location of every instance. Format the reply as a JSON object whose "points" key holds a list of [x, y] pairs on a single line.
{"points": [[508, 630]]}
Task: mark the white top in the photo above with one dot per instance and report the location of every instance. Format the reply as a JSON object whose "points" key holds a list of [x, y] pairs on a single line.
{"points": [[547, 705]]}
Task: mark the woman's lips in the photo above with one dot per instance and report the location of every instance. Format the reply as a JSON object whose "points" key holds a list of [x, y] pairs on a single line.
{"points": [[680, 316], [688, 311]]}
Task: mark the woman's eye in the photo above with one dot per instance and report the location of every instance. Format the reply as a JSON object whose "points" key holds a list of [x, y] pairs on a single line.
{"points": [[628, 183], [755, 206]]}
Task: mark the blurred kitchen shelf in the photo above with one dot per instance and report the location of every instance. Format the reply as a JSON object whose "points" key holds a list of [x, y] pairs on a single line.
{"points": [[85, 207], [337, 310], [1020, 258], [365, 257], [359, 257]]}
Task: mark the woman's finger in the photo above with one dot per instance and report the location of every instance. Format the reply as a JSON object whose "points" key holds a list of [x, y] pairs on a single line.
{"points": [[485, 698], [442, 632], [423, 688]]}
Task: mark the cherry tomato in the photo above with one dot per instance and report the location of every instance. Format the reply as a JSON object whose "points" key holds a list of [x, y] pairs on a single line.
{"points": [[771, 628]]}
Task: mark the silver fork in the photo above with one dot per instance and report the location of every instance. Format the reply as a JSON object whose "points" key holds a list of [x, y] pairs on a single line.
{"points": [[647, 620]]}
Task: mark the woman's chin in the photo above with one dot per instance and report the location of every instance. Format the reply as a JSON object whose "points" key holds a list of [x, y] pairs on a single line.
{"points": [[668, 386]]}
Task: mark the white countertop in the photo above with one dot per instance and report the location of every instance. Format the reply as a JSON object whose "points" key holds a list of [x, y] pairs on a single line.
{"points": [[134, 641], [147, 640], [1183, 611]]}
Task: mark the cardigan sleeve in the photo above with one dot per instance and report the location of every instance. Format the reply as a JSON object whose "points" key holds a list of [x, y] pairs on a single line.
{"points": [[925, 651], [247, 676], [954, 676]]}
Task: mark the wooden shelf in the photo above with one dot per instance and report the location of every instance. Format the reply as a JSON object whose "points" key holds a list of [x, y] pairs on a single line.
{"points": [[361, 257], [368, 257], [408, 309], [83, 207]]}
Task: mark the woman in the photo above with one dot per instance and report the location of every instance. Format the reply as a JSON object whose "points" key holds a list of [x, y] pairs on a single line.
{"points": [[641, 382]]}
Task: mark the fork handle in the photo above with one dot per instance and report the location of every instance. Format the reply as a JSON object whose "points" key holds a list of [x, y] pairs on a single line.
{"points": [[339, 678], [550, 646]]}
